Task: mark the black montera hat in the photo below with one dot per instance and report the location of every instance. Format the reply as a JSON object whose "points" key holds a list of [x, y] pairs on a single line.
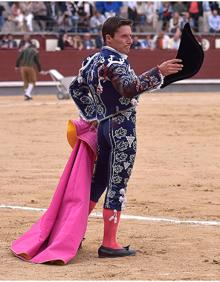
{"points": [[191, 54]]}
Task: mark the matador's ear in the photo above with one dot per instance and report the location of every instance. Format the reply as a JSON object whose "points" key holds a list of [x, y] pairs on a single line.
{"points": [[192, 55]]}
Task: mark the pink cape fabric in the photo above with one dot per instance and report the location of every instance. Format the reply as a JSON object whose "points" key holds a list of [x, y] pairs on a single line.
{"points": [[59, 232]]}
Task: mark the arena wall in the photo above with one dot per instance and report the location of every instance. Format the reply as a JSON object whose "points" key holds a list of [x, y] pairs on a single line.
{"points": [[69, 61]]}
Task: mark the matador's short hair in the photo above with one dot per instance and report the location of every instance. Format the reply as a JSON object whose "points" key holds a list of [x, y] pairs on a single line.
{"points": [[112, 24]]}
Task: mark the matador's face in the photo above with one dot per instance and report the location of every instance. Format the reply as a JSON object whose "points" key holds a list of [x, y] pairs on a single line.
{"points": [[122, 39]]}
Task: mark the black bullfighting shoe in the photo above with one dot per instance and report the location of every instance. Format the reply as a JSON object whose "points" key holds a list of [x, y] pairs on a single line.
{"points": [[27, 98], [105, 252]]}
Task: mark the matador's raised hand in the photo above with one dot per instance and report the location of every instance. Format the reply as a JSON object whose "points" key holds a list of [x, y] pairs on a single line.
{"points": [[170, 66]]}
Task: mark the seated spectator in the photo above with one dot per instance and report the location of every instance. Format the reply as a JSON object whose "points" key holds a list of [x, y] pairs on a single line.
{"points": [[11, 42], [69, 44], [132, 13], [83, 25], [109, 8], [85, 8], [185, 19], [166, 12], [17, 17], [15, 9], [206, 14], [150, 12], [52, 15], [175, 22], [141, 16], [25, 42], [96, 22], [60, 42], [98, 41], [136, 43], [85, 12], [8, 42], [161, 41], [195, 11], [179, 7], [146, 43], [28, 18], [65, 17], [214, 22], [3, 41], [64, 23], [174, 41], [39, 11], [71, 13], [64, 42], [88, 43], [214, 5], [146, 14], [77, 42], [2, 19]]}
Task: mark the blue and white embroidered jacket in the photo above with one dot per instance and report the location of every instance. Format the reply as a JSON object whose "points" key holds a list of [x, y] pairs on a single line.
{"points": [[106, 85]]}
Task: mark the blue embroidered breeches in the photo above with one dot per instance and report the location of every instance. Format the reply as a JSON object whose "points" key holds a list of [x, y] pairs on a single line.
{"points": [[116, 155]]}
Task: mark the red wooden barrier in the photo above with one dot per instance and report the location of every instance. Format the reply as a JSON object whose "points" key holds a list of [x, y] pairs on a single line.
{"points": [[68, 62]]}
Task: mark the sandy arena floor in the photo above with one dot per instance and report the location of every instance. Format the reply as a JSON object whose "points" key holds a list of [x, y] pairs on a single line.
{"points": [[176, 175]]}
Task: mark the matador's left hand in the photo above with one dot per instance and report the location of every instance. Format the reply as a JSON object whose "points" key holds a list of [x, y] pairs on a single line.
{"points": [[170, 67]]}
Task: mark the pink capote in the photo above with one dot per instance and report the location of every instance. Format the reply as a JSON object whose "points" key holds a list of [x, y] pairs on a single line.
{"points": [[56, 236]]}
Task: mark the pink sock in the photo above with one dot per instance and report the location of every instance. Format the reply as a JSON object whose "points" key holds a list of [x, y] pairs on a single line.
{"points": [[111, 221]]}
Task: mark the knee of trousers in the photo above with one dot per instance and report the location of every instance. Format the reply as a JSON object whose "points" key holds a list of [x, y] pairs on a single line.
{"points": [[115, 198]]}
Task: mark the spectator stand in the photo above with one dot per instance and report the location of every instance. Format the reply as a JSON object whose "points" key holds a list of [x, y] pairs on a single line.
{"points": [[75, 26]]}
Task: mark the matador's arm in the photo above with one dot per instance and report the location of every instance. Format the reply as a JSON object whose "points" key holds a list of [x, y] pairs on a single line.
{"points": [[130, 85]]}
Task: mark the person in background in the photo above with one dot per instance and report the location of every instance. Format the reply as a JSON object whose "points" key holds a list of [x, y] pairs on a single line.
{"points": [[185, 19], [146, 43], [3, 41], [161, 40], [96, 21], [17, 17], [28, 18], [175, 22], [195, 11], [132, 13], [88, 43], [214, 22], [27, 62], [174, 41], [61, 39], [166, 12], [206, 14], [64, 41], [25, 42], [136, 43], [52, 15], [77, 42], [12, 44], [2, 19], [179, 7], [8, 42], [39, 11], [109, 8], [98, 41], [141, 15]]}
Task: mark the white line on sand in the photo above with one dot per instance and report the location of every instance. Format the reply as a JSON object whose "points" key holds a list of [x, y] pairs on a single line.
{"points": [[25, 104], [131, 217]]}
